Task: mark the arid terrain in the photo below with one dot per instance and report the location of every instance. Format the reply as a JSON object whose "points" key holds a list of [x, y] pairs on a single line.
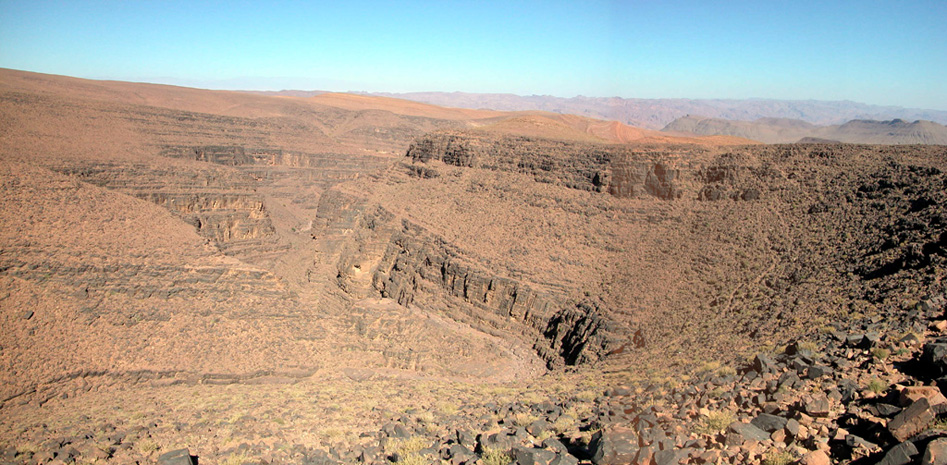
{"points": [[347, 278]]}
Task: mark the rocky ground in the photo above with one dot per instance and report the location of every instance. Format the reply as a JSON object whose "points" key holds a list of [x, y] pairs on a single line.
{"points": [[868, 393]]}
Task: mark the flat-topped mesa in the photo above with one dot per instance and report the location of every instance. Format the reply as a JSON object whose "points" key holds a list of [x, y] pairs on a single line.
{"points": [[379, 254], [620, 170]]}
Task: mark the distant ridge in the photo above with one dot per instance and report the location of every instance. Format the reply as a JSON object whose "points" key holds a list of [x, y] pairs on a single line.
{"points": [[776, 130], [657, 113], [288, 93]]}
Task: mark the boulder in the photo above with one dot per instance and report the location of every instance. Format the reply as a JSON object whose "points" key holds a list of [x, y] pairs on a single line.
{"points": [[537, 427], [911, 394], [934, 359], [555, 445], [936, 453], [886, 410], [745, 431], [614, 446], [816, 371], [176, 457], [500, 441], [816, 457], [900, 454], [817, 405], [792, 428], [533, 456], [769, 423], [396, 430], [459, 454], [911, 420], [762, 363], [670, 457]]}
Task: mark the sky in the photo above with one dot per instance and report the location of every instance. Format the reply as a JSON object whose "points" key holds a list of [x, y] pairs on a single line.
{"points": [[877, 52]]}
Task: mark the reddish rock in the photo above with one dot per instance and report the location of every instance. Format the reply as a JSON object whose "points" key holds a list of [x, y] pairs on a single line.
{"points": [[816, 457], [817, 405], [911, 420], [911, 394]]}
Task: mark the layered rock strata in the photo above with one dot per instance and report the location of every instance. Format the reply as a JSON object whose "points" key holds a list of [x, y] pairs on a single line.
{"points": [[620, 170], [379, 254]]}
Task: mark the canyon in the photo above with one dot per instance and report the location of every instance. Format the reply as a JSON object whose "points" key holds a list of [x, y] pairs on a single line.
{"points": [[291, 279]]}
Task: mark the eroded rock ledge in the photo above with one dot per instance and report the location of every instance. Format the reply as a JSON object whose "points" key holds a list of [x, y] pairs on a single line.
{"points": [[620, 170], [379, 254]]}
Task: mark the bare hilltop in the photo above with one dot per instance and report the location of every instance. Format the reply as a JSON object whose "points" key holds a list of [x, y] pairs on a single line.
{"points": [[230, 278]]}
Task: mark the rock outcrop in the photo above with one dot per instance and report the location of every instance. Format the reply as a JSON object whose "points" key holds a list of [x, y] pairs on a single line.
{"points": [[383, 255], [617, 169]]}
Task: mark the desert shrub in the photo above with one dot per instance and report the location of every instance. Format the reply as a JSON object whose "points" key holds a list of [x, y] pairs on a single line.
{"points": [[879, 353], [447, 408], [587, 395], [877, 386], [708, 367], [778, 458], [546, 434], [147, 446], [524, 419], [563, 424], [407, 446], [809, 345], [714, 422], [495, 457], [425, 417]]}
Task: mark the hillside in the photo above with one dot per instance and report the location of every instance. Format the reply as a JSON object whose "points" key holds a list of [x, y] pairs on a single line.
{"points": [[775, 131], [339, 278]]}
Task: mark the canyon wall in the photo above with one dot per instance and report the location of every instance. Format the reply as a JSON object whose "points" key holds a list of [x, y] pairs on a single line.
{"points": [[623, 171], [617, 169], [380, 254]]}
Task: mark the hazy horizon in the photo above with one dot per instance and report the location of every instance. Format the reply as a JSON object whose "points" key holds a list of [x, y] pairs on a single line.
{"points": [[878, 53]]}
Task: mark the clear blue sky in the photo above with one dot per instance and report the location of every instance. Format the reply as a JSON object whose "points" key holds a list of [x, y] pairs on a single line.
{"points": [[880, 52]]}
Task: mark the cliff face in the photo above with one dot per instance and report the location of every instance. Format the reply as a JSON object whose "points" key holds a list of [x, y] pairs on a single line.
{"points": [[619, 170], [379, 254]]}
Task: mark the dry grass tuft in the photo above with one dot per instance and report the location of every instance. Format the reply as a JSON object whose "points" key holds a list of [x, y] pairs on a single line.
{"points": [[495, 457], [715, 422]]}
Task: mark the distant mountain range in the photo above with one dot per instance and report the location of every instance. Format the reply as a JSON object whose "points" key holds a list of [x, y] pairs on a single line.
{"points": [[764, 120], [657, 113], [783, 130]]}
